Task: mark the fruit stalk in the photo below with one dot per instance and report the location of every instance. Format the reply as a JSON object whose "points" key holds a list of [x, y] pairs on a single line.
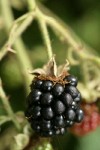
{"points": [[43, 26]]}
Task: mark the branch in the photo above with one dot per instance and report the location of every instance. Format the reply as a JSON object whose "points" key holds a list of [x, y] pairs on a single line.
{"points": [[24, 61], [5, 50], [7, 107], [43, 26], [45, 35], [65, 33]]}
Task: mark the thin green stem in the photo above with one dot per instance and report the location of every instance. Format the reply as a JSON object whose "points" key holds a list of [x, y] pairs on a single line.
{"points": [[31, 4], [23, 59], [5, 5], [70, 56], [46, 38], [7, 107], [64, 32], [43, 27], [3, 52], [84, 72], [19, 30], [86, 56], [23, 17], [78, 47], [24, 63]]}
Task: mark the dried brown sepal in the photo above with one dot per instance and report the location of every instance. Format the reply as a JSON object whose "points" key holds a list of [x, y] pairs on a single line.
{"points": [[37, 72], [51, 68], [63, 69], [55, 80], [51, 72]]}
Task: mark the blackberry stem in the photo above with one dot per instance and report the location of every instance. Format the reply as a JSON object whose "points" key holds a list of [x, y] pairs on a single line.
{"points": [[19, 45], [43, 26], [85, 72], [60, 29], [31, 4], [8, 108], [46, 37]]}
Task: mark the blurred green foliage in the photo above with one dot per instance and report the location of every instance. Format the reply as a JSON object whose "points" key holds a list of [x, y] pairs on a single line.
{"points": [[84, 18]]}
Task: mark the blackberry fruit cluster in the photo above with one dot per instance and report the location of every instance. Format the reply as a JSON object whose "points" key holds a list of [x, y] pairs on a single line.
{"points": [[52, 107]]}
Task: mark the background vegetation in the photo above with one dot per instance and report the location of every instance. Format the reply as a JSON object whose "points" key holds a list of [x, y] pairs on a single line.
{"points": [[83, 16]]}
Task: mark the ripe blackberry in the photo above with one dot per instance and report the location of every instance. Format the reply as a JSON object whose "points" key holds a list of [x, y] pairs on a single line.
{"points": [[70, 114], [36, 112], [74, 105], [47, 85], [67, 99], [46, 125], [79, 115], [59, 121], [47, 113], [46, 99], [58, 89], [37, 84], [69, 123], [34, 96], [78, 98], [72, 80], [53, 104], [72, 91], [59, 107], [59, 131], [35, 125]]}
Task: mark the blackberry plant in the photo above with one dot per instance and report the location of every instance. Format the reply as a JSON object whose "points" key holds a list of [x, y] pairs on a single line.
{"points": [[53, 104]]}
